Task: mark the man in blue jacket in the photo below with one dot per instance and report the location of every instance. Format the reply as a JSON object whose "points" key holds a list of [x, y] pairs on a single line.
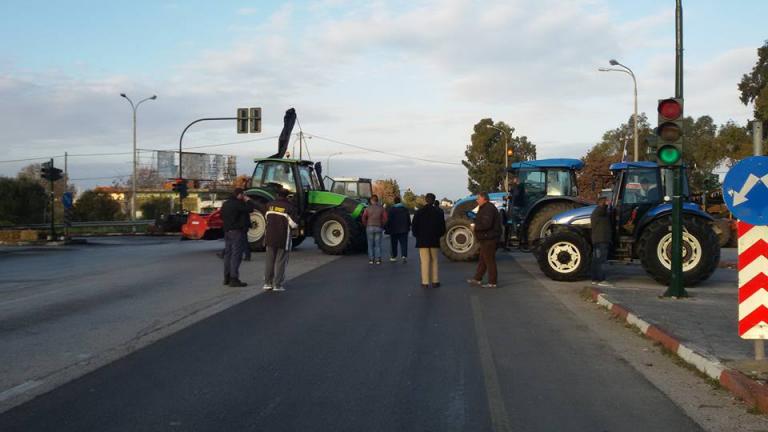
{"points": [[398, 227]]}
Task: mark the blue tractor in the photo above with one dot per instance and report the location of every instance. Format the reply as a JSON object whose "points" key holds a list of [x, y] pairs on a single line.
{"points": [[640, 212], [544, 188]]}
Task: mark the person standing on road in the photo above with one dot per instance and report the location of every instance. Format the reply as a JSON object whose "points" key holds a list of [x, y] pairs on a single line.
{"points": [[281, 218], [374, 220], [428, 226], [601, 240], [235, 215], [487, 229], [398, 227]]}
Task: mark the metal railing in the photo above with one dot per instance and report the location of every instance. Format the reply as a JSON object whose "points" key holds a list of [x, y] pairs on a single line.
{"points": [[90, 224]]}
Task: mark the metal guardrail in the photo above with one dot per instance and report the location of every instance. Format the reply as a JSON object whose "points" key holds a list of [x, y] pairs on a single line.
{"points": [[92, 224]]}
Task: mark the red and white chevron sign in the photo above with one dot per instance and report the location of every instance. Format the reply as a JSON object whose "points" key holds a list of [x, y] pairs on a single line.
{"points": [[753, 281]]}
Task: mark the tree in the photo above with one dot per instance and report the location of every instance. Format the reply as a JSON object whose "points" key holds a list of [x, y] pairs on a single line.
{"points": [[485, 155], [754, 85], [153, 207], [734, 141], [96, 206], [22, 201], [387, 190], [32, 173]]}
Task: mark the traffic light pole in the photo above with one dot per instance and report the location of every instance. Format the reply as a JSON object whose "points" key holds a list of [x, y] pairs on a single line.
{"points": [[676, 286], [53, 202], [181, 140]]}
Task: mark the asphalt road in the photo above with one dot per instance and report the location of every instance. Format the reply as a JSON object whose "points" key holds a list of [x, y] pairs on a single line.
{"points": [[350, 347]]}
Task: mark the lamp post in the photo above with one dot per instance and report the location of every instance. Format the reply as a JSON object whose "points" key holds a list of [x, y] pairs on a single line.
{"points": [[328, 161], [629, 72], [135, 107], [506, 156]]}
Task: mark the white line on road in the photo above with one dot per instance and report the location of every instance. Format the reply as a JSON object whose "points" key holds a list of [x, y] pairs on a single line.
{"points": [[19, 389], [499, 417]]}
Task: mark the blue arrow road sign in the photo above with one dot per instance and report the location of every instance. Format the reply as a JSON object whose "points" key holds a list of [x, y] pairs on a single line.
{"points": [[745, 190], [66, 199]]}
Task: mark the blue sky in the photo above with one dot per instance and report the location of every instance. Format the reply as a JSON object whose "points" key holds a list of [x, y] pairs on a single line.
{"points": [[406, 77]]}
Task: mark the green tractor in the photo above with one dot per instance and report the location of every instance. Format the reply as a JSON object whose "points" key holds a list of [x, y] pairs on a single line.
{"points": [[332, 219]]}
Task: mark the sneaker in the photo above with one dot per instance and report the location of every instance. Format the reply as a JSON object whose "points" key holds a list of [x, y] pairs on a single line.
{"points": [[436, 285], [605, 284], [278, 289], [237, 283], [226, 281], [489, 285], [370, 261], [425, 286], [266, 287], [392, 259], [594, 282], [405, 260], [378, 261], [473, 281]]}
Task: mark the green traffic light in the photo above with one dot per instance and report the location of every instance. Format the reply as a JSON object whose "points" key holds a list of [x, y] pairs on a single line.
{"points": [[669, 155]]}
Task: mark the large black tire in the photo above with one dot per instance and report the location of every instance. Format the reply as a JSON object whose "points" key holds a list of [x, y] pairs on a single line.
{"points": [[542, 217], [336, 233], [258, 227], [701, 250], [459, 242], [460, 212], [297, 241], [564, 255]]}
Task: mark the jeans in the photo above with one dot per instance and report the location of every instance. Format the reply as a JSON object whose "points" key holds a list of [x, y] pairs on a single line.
{"points": [[374, 234], [233, 254], [402, 240], [599, 257], [246, 246]]}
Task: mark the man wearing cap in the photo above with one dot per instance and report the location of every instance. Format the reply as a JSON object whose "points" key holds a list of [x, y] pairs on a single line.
{"points": [[281, 219], [235, 214]]}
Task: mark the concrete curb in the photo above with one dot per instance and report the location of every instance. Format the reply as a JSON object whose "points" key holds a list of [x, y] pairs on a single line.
{"points": [[750, 391]]}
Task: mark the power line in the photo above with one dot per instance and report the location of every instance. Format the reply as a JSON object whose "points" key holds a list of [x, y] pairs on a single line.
{"points": [[383, 152]]}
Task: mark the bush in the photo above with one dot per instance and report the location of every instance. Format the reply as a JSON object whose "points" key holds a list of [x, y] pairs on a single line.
{"points": [[96, 206], [153, 207], [22, 201]]}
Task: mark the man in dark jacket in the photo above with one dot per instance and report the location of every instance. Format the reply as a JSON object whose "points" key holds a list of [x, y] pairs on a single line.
{"points": [[428, 226], [235, 215], [487, 229], [281, 218], [398, 227], [600, 223]]}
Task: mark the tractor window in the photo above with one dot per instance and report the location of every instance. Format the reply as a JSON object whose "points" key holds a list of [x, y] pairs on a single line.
{"points": [[308, 182], [338, 187], [278, 173], [365, 190], [641, 186], [351, 189], [558, 183], [258, 174], [534, 184]]}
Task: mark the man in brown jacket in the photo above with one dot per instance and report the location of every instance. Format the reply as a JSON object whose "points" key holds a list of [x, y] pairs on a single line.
{"points": [[487, 228]]}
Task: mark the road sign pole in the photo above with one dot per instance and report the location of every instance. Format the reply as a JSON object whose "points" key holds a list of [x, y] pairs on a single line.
{"points": [[53, 202], [676, 286]]}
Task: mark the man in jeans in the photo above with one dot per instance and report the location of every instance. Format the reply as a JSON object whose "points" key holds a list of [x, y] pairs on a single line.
{"points": [[487, 229], [374, 219], [600, 222], [398, 227], [235, 216], [281, 217]]}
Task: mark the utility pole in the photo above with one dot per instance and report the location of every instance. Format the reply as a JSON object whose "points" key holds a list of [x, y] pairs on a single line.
{"points": [[676, 284]]}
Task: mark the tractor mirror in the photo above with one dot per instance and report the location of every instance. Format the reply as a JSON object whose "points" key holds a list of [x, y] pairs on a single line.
{"points": [[667, 198]]}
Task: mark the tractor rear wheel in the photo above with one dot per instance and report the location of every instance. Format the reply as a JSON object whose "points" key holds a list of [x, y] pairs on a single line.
{"points": [[539, 225], [258, 228], [336, 232], [701, 250], [564, 255], [459, 242]]}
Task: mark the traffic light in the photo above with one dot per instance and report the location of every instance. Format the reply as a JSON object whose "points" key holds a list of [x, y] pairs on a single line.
{"points": [[510, 152], [180, 187], [669, 150], [255, 120], [49, 172], [242, 120]]}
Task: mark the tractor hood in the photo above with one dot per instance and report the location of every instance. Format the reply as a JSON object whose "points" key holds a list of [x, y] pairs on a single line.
{"points": [[577, 216]]}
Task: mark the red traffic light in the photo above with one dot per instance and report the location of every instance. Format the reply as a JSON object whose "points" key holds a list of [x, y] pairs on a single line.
{"points": [[670, 109]]}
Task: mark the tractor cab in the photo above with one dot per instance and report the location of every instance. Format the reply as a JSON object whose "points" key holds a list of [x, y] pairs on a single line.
{"points": [[298, 177], [354, 187]]}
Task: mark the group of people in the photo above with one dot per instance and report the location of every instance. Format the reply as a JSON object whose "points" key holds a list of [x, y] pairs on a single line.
{"points": [[427, 226]]}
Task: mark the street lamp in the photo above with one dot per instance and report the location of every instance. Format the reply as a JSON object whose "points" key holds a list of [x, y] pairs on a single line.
{"points": [[133, 181], [629, 72], [328, 161], [506, 156]]}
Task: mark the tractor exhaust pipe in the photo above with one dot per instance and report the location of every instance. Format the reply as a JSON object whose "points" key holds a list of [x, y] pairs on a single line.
{"points": [[285, 136]]}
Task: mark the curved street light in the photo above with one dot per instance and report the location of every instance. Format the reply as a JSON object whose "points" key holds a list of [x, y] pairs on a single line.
{"points": [[135, 107], [628, 71], [506, 156]]}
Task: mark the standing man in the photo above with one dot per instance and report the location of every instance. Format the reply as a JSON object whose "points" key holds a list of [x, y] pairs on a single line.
{"points": [[398, 227], [428, 227], [601, 240], [235, 215], [487, 228], [374, 219], [281, 219]]}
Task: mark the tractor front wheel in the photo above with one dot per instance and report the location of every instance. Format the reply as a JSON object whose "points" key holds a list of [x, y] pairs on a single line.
{"points": [[564, 255], [459, 242], [336, 232], [258, 228]]}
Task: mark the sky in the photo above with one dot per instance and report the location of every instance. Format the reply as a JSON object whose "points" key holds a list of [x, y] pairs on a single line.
{"points": [[404, 77]]}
